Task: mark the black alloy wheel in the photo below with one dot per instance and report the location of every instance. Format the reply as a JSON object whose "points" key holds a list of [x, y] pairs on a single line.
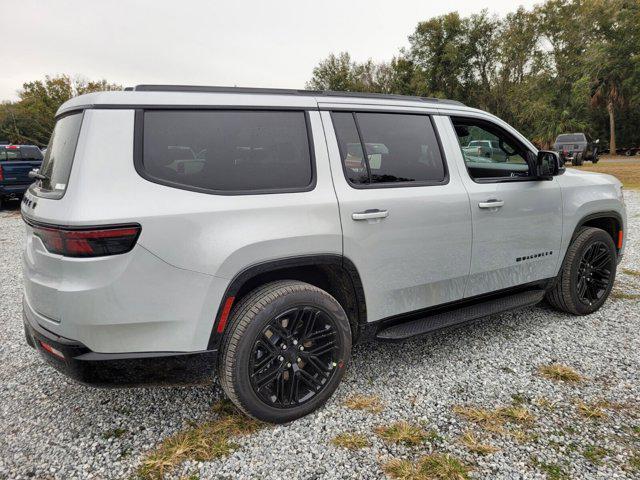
{"points": [[594, 273], [284, 351], [587, 273], [294, 356]]}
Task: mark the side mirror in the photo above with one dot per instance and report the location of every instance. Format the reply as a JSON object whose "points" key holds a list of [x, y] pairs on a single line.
{"points": [[549, 164]]}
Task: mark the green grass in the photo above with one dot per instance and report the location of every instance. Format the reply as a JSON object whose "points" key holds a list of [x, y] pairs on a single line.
{"points": [[553, 471], [595, 454], [559, 372], [114, 433], [200, 442], [403, 433], [350, 441], [435, 466]]}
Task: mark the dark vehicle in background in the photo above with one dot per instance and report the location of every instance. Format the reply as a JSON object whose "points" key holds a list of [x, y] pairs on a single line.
{"points": [[577, 148], [16, 161]]}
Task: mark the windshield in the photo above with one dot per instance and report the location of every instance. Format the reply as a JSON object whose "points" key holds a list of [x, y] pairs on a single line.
{"points": [[570, 138], [57, 162], [20, 152]]}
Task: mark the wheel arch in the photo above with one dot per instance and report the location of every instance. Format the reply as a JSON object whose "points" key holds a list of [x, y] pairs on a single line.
{"points": [[333, 273], [610, 221]]}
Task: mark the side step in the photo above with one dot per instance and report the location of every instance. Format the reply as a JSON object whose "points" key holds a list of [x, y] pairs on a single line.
{"points": [[437, 321]]}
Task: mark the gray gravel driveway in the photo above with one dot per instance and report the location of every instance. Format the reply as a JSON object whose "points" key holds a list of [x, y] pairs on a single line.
{"points": [[51, 427]]}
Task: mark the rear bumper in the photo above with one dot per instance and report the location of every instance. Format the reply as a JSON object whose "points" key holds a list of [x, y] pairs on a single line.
{"points": [[120, 369]]}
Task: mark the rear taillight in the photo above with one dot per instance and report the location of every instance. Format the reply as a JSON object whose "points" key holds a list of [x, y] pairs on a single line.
{"points": [[90, 242], [1, 174]]}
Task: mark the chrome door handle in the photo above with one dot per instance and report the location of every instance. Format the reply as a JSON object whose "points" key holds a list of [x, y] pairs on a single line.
{"points": [[370, 214], [491, 203]]}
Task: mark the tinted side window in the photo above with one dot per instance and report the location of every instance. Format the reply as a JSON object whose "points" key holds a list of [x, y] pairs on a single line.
{"points": [[350, 147], [227, 151], [401, 148]]}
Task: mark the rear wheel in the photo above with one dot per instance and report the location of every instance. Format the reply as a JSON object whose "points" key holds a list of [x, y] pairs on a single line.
{"points": [[587, 273], [285, 351]]}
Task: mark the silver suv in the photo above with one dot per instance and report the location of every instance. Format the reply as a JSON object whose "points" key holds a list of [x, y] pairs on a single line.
{"points": [[179, 232]]}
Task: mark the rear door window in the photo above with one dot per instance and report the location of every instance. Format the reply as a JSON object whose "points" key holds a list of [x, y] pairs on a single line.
{"points": [[227, 151], [401, 149], [56, 166]]}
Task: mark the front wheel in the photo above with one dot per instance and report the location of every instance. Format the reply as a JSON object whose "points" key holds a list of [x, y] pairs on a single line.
{"points": [[587, 273], [285, 351]]}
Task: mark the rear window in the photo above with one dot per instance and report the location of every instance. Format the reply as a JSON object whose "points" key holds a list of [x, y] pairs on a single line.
{"points": [[227, 151], [575, 137], [57, 162], [22, 152]]}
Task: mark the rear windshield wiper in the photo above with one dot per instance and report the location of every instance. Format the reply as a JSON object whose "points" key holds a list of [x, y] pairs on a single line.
{"points": [[35, 173]]}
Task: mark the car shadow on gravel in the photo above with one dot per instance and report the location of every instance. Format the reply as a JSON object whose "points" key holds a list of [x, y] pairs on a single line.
{"points": [[10, 208]]}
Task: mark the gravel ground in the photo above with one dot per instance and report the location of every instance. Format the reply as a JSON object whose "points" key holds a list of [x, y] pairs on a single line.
{"points": [[51, 427]]}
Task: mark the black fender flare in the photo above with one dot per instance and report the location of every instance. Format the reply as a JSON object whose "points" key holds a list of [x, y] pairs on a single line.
{"points": [[245, 275]]}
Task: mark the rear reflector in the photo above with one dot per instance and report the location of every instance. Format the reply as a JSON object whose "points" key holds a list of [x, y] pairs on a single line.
{"points": [[89, 242], [1, 174], [225, 314], [620, 238], [51, 350]]}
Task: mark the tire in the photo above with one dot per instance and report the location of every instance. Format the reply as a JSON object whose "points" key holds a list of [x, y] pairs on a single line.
{"points": [[564, 295], [577, 160], [258, 328]]}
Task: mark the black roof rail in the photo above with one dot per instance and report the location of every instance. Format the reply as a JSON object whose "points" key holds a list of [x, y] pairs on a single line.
{"points": [[285, 91]]}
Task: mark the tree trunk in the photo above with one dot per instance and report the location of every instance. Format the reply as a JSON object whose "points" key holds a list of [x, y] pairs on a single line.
{"points": [[612, 128]]}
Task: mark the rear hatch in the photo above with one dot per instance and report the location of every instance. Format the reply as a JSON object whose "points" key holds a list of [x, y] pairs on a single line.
{"points": [[43, 270], [16, 161]]}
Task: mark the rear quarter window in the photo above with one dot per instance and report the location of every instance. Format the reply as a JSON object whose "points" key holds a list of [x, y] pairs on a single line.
{"points": [[226, 151], [58, 160]]}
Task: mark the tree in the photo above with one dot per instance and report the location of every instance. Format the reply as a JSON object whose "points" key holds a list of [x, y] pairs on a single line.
{"points": [[336, 72], [31, 119], [563, 66], [614, 59]]}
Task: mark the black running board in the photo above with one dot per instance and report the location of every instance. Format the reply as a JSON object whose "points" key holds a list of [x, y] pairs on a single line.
{"points": [[437, 321]]}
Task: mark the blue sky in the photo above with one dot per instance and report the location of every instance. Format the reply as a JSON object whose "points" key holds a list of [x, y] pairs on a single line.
{"points": [[245, 43]]}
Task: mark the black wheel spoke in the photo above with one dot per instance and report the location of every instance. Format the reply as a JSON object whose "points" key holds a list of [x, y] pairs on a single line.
{"points": [[582, 286], [319, 335], [264, 361], [594, 273], [294, 356], [323, 348], [310, 380], [601, 261], [309, 324], [267, 379], [315, 361]]}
